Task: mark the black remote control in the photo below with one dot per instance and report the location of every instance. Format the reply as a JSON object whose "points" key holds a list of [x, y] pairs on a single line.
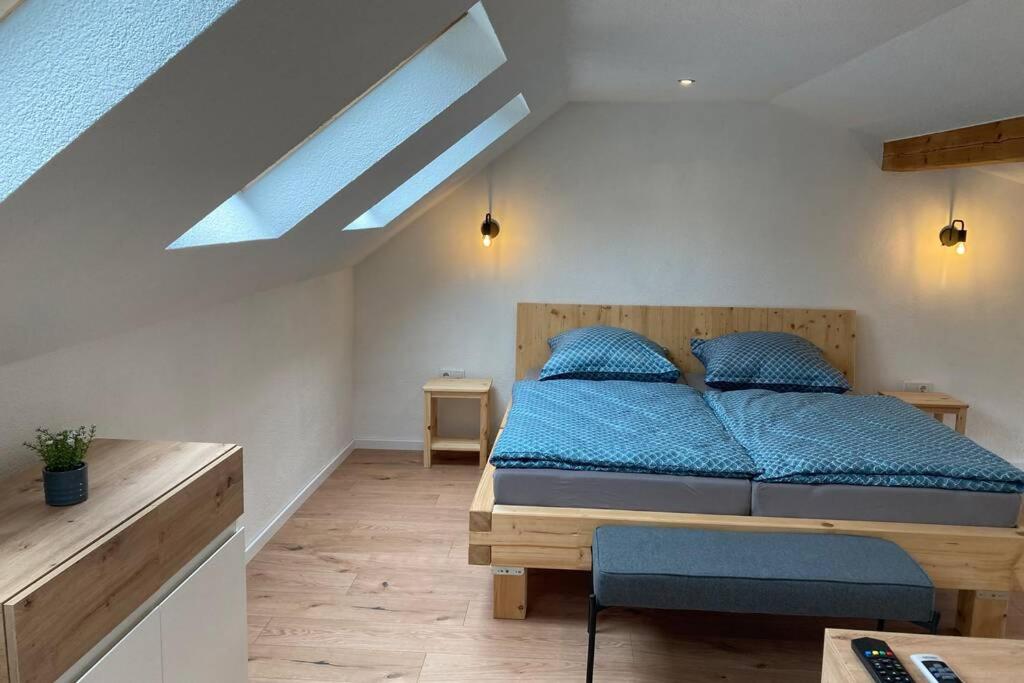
{"points": [[878, 659]]}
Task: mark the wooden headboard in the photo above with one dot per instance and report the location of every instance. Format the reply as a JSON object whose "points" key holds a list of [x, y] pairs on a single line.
{"points": [[833, 331]]}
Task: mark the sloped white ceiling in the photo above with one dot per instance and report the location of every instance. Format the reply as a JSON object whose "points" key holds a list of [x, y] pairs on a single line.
{"points": [[82, 241], [747, 50], [67, 62], [885, 68], [961, 68]]}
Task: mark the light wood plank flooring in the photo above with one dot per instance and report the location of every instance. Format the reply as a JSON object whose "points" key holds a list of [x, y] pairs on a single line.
{"points": [[369, 582]]}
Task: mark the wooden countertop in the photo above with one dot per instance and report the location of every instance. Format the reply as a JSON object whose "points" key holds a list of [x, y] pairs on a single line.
{"points": [[69, 575], [124, 477], [978, 660]]}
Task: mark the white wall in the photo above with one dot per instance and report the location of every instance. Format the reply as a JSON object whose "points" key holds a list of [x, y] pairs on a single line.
{"points": [[716, 204], [272, 372]]}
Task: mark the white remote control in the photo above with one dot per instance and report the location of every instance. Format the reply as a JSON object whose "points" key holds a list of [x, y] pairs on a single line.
{"points": [[934, 669]]}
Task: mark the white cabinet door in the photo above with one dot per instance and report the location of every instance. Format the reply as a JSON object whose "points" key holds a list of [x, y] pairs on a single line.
{"points": [[135, 658], [203, 621]]}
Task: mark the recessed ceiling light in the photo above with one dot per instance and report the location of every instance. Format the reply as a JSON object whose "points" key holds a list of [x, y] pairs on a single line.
{"points": [[686, 82]]}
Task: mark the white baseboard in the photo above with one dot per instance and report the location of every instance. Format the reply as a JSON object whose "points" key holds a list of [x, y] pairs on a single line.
{"points": [[390, 444], [300, 498]]}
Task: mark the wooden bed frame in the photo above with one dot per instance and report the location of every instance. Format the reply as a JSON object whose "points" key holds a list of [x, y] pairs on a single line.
{"points": [[983, 563]]}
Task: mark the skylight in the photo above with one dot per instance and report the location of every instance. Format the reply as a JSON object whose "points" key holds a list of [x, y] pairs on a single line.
{"points": [[441, 168], [356, 138]]}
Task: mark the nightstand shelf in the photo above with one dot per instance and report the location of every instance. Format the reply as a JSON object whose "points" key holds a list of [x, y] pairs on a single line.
{"points": [[477, 389], [453, 444], [936, 403]]}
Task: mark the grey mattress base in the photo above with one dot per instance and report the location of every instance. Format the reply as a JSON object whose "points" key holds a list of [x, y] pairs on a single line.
{"points": [[621, 491], [720, 496], [886, 504]]}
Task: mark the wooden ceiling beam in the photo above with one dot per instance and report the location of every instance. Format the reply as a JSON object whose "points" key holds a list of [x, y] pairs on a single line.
{"points": [[998, 142]]}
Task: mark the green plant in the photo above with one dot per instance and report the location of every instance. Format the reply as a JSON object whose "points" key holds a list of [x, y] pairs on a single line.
{"points": [[64, 450]]}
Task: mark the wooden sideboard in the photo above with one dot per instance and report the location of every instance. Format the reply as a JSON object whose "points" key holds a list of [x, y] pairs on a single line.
{"points": [[70, 577]]}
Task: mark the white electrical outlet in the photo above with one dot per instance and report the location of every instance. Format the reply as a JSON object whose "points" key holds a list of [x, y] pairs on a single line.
{"points": [[453, 373], [921, 387]]}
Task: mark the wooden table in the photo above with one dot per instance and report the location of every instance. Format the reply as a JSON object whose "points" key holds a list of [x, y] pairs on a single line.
{"points": [[477, 389], [976, 660], [936, 403]]}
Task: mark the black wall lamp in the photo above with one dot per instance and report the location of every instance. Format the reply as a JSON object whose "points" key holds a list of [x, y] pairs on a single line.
{"points": [[953, 236], [489, 229]]}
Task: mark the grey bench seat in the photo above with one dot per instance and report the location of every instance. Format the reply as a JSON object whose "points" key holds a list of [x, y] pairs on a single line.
{"points": [[825, 575], [769, 573]]}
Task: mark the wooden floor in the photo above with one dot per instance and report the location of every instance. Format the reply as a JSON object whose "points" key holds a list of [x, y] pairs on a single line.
{"points": [[369, 582]]}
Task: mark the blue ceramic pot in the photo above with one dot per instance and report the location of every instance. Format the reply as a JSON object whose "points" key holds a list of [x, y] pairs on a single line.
{"points": [[66, 488]]}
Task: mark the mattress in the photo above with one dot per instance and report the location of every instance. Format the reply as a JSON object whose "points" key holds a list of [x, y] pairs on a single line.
{"points": [[921, 504], [719, 496], [621, 491], [885, 504]]}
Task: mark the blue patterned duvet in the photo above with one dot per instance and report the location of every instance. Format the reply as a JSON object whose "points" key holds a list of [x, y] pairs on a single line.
{"points": [[613, 426], [860, 440]]}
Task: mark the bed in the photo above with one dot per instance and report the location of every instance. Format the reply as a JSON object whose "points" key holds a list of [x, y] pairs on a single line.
{"points": [[982, 556], [626, 445]]}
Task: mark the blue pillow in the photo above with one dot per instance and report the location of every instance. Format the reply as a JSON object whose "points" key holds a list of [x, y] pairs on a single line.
{"points": [[766, 360], [601, 353]]}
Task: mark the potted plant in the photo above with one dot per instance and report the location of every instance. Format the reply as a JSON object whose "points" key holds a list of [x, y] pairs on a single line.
{"points": [[65, 473]]}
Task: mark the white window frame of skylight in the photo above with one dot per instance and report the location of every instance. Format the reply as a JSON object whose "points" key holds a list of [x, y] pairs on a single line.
{"points": [[357, 137], [444, 166]]}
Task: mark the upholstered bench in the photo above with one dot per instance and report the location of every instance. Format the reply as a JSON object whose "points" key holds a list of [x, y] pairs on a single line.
{"points": [[824, 575]]}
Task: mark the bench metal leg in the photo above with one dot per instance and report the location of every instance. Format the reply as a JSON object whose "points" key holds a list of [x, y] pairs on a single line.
{"points": [[932, 624], [593, 608]]}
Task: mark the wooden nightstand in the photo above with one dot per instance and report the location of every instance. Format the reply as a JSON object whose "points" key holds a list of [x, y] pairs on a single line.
{"points": [[936, 403], [443, 387]]}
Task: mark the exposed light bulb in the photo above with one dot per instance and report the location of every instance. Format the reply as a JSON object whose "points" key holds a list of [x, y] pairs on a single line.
{"points": [[489, 230], [686, 82], [961, 248]]}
